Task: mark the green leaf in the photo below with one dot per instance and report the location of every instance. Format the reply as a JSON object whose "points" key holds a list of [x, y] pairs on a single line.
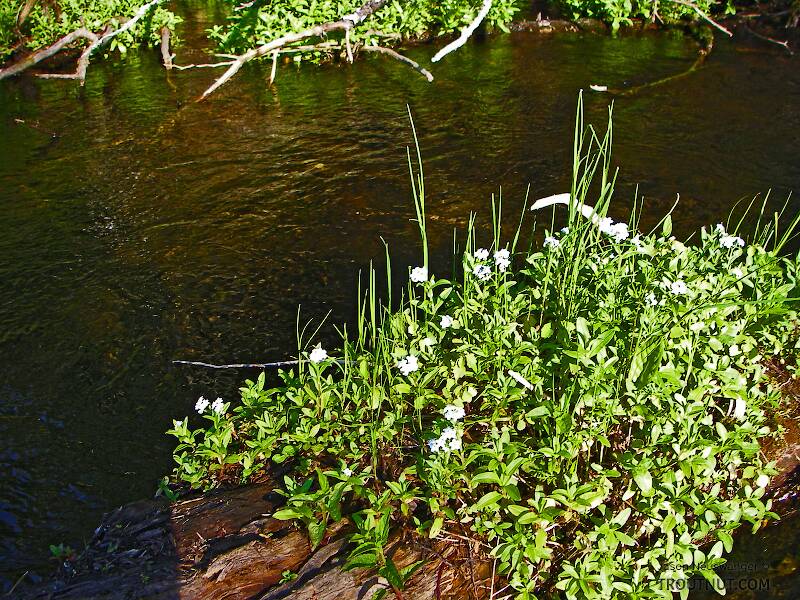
{"points": [[436, 527], [666, 228], [316, 531], [487, 500], [643, 479]]}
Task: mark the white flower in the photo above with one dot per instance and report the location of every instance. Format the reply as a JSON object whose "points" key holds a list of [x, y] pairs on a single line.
{"points": [[651, 300], [551, 242], [408, 365], [619, 231], [637, 241], [447, 321], [481, 254], [317, 355], [720, 228], [502, 255], [565, 230], [502, 258], [729, 241], [347, 472], [678, 287], [520, 379], [449, 440], [453, 413], [737, 272], [201, 405], [762, 481], [734, 350], [482, 272], [218, 406], [419, 274]]}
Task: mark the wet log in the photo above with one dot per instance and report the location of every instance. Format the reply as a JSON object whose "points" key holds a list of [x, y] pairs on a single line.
{"points": [[225, 545]]}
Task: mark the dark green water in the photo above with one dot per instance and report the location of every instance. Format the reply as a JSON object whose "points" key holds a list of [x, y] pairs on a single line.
{"points": [[138, 227]]}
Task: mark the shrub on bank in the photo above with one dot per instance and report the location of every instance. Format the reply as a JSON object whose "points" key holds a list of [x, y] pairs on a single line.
{"points": [[589, 409]]}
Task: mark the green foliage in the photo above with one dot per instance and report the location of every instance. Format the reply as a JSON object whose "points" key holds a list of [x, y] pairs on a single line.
{"points": [[261, 22], [47, 22], [590, 410], [622, 12]]}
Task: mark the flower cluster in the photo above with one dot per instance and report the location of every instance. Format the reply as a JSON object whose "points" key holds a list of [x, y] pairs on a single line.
{"points": [[317, 355], [448, 441], [202, 404], [408, 365], [453, 413], [678, 287], [619, 231], [551, 242], [419, 274], [502, 258], [482, 272]]}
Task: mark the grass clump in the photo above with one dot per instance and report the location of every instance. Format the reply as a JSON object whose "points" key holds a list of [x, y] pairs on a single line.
{"points": [[590, 409]]}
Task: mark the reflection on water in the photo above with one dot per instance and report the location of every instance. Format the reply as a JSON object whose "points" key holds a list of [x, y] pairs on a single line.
{"points": [[138, 227]]}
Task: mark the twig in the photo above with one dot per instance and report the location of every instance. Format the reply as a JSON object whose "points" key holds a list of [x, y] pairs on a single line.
{"points": [[345, 23], [783, 44], [45, 53], [465, 33], [702, 15], [271, 365], [347, 45], [166, 55], [404, 59], [224, 63], [274, 67], [23, 576]]}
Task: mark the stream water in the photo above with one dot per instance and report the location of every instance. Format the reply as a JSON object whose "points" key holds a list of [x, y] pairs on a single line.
{"points": [[138, 227]]}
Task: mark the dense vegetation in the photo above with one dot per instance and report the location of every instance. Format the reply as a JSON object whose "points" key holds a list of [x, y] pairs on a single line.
{"points": [[38, 23], [589, 410]]}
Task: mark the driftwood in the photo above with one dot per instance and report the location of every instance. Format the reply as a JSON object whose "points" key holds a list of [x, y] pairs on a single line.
{"points": [[225, 545]]}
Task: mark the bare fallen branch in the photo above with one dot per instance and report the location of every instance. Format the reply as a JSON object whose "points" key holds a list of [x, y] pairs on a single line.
{"points": [[45, 53], [224, 63], [403, 59], [702, 15], [345, 23], [781, 43], [271, 365], [465, 33], [274, 365], [166, 55]]}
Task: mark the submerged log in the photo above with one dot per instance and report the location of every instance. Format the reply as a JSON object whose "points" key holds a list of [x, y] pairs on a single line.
{"points": [[225, 545]]}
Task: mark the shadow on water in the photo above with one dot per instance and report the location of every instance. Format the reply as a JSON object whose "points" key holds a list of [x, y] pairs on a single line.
{"points": [[138, 227]]}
